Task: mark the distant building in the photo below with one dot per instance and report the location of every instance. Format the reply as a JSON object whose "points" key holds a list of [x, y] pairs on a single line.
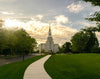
{"points": [[49, 46]]}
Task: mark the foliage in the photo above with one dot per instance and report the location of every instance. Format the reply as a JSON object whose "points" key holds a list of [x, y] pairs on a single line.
{"points": [[61, 50], [91, 29], [93, 38], [66, 48], [42, 51], [96, 16], [16, 70], [16, 42], [98, 27], [84, 41], [74, 66], [94, 2], [1, 22], [79, 41], [95, 50]]}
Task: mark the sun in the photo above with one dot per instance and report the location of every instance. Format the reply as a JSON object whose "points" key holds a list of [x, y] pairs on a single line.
{"points": [[12, 23]]}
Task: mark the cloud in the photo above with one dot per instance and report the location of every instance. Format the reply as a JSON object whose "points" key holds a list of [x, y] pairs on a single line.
{"points": [[75, 8], [61, 19], [7, 13], [39, 16], [13, 24], [39, 30], [7, 0], [87, 24]]}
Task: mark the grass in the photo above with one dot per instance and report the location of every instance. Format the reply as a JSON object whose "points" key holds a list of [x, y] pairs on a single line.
{"points": [[74, 66], [16, 70]]}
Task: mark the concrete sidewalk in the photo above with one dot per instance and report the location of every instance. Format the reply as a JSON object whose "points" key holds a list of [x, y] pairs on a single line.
{"points": [[36, 70]]}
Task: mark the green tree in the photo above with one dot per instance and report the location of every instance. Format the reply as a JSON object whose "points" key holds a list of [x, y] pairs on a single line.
{"points": [[94, 2], [16, 42], [79, 41], [96, 16], [43, 51], [95, 50], [1, 23], [84, 41], [3, 42], [25, 42], [66, 47], [61, 50]]}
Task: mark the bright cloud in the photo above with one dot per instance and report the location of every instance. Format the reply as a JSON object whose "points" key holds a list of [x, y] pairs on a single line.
{"points": [[87, 24], [61, 19], [75, 8], [61, 34], [39, 16], [7, 13], [11, 24], [39, 30]]}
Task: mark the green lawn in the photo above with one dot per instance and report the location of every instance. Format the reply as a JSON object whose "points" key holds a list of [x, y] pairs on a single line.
{"points": [[74, 66], [16, 70]]}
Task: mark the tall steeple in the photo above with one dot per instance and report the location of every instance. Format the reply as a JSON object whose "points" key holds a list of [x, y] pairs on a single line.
{"points": [[49, 42], [49, 34], [49, 46]]}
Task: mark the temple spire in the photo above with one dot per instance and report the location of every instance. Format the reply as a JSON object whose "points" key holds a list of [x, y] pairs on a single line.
{"points": [[49, 31]]}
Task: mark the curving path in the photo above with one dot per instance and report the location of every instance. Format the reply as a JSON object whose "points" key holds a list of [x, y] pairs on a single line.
{"points": [[36, 70]]}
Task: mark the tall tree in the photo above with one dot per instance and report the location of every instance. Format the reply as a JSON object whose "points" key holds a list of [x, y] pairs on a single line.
{"points": [[94, 2], [96, 16], [16, 42], [93, 41], [79, 41], [66, 47], [84, 41]]}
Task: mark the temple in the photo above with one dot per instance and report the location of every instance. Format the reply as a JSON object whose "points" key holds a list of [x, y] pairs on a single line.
{"points": [[49, 46]]}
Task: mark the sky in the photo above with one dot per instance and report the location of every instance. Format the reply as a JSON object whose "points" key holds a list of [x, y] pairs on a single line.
{"points": [[65, 16]]}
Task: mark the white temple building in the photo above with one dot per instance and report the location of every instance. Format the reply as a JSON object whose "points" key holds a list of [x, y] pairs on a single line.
{"points": [[49, 46]]}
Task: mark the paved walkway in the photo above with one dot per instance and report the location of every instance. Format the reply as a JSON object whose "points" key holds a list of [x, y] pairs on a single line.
{"points": [[36, 70]]}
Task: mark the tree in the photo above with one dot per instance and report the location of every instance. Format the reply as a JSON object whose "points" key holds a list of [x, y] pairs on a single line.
{"points": [[93, 41], [79, 41], [25, 43], [66, 47], [61, 50], [3, 42], [16, 42], [42, 51], [1, 22], [96, 16], [83, 41], [98, 27], [95, 50], [94, 2]]}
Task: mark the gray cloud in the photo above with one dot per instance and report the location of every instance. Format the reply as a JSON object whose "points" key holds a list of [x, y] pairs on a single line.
{"points": [[25, 10]]}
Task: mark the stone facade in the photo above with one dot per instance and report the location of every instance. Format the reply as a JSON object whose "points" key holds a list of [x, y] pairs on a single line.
{"points": [[49, 46]]}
